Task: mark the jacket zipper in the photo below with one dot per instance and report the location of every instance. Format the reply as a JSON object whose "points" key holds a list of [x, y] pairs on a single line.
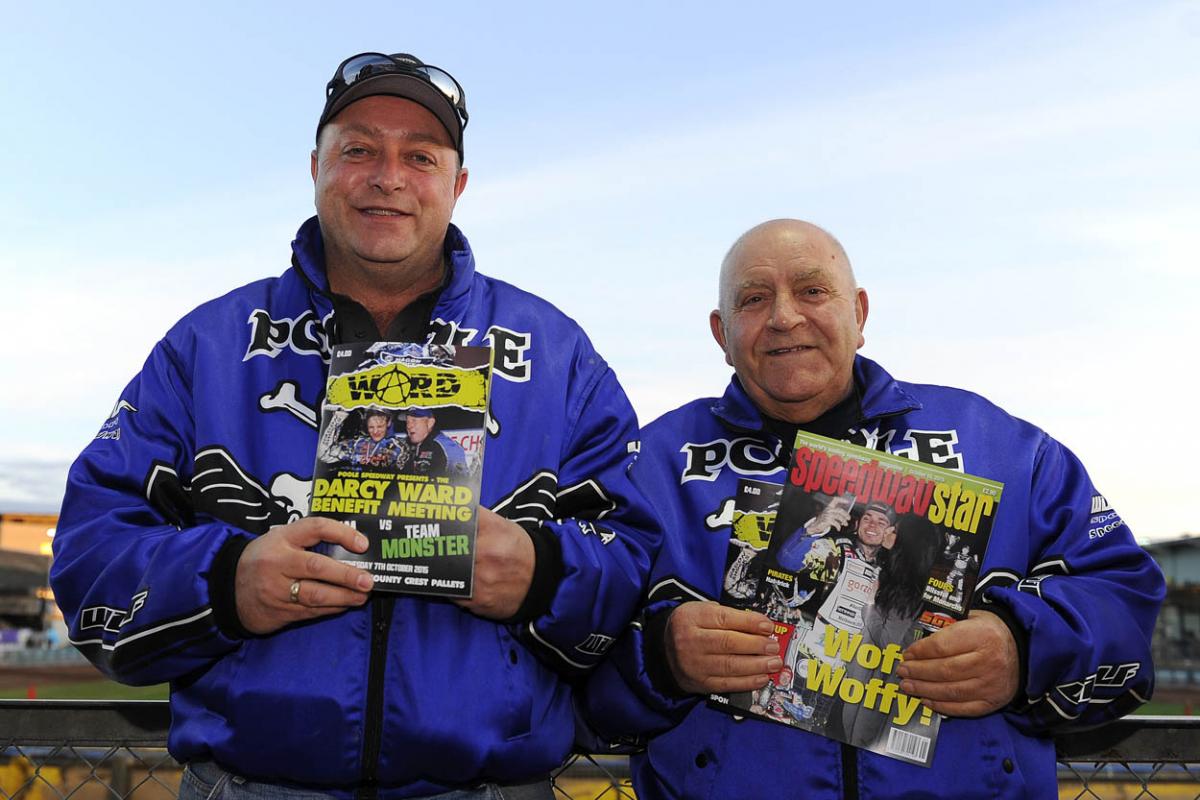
{"points": [[849, 772], [381, 625]]}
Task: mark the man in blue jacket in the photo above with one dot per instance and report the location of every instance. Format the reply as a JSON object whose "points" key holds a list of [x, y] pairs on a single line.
{"points": [[1067, 600], [431, 452], [379, 448], [184, 553]]}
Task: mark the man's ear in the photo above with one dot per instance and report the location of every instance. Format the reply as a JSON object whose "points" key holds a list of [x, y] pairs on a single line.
{"points": [[313, 165], [861, 306], [718, 332], [460, 183]]}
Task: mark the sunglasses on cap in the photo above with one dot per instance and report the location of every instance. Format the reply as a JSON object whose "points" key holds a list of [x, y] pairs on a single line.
{"points": [[366, 65]]}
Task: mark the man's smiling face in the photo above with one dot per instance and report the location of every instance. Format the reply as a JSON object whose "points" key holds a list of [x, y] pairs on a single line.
{"points": [[377, 425], [872, 526], [791, 319], [387, 178]]}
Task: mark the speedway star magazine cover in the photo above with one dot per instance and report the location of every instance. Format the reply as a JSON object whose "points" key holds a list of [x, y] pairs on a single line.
{"points": [[400, 458], [857, 555]]}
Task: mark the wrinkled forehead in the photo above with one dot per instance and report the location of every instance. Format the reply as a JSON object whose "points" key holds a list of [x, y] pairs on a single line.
{"points": [[787, 274], [792, 254]]}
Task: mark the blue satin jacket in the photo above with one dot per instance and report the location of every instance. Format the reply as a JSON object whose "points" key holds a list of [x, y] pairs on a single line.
{"points": [[215, 439], [1061, 568]]}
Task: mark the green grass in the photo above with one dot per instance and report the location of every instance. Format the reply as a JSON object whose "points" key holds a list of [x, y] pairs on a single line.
{"points": [[1162, 708], [89, 690]]}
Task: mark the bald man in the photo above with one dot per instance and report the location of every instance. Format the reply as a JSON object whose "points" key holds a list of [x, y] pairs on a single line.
{"points": [[1065, 612]]}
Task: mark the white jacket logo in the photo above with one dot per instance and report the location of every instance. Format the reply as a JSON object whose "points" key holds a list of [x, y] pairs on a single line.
{"points": [[269, 337], [110, 619], [747, 456], [931, 447], [509, 348], [1107, 676], [596, 644], [744, 456]]}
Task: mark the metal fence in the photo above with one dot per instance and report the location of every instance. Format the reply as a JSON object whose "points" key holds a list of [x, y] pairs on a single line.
{"points": [[115, 750]]}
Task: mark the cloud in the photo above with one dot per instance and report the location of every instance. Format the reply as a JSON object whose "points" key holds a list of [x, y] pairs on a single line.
{"points": [[32, 486], [1021, 204]]}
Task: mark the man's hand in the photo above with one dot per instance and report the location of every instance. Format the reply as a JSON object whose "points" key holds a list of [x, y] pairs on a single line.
{"points": [[834, 517], [967, 669], [504, 561], [271, 563], [711, 648]]}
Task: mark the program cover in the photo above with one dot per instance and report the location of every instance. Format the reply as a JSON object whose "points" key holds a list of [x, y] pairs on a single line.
{"points": [[400, 458], [754, 510], [867, 552], [755, 507]]}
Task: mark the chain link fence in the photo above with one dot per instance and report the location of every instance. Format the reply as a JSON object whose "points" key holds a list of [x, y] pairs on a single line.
{"points": [[115, 750]]}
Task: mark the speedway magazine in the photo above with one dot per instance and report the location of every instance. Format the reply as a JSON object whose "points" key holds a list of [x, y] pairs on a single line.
{"points": [[857, 555], [400, 457]]}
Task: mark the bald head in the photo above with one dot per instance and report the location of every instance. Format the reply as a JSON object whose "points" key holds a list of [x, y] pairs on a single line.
{"points": [[806, 240], [790, 318]]}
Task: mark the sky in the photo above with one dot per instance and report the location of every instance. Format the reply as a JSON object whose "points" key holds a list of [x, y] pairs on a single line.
{"points": [[1017, 185]]}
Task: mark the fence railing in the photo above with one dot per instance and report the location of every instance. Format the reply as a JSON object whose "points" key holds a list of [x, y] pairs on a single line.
{"points": [[116, 750]]}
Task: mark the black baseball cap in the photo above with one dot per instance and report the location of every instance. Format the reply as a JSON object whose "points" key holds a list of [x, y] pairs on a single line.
{"points": [[881, 508], [398, 75]]}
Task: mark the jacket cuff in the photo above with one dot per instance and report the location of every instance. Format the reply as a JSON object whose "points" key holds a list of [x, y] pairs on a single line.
{"points": [[654, 654], [1021, 638], [547, 574], [221, 593]]}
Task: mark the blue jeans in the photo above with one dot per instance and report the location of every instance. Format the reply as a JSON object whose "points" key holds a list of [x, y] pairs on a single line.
{"points": [[204, 780]]}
